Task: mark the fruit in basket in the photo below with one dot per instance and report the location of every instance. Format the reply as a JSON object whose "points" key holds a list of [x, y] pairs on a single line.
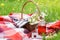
{"points": [[34, 19]]}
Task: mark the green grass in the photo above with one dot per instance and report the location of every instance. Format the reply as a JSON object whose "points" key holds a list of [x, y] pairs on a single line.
{"points": [[50, 7], [55, 37]]}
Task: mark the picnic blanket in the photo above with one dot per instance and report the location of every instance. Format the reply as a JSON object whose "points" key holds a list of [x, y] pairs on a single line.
{"points": [[8, 28], [9, 23], [50, 27]]}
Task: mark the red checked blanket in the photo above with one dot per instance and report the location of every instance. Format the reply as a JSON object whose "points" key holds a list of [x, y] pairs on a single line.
{"points": [[8, 28]]}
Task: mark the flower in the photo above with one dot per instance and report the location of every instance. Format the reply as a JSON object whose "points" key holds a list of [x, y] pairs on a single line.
{"points": [[13, 9], [2, 4]]}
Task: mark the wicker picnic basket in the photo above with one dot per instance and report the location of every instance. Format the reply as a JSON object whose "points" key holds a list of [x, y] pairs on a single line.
{"points": [[28, 25]]}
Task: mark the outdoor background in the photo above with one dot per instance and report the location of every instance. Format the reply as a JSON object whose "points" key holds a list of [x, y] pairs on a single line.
{"points": [[50, 7]]}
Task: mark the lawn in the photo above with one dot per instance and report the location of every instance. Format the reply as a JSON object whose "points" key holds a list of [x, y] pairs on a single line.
{"points": [[50, 7]]}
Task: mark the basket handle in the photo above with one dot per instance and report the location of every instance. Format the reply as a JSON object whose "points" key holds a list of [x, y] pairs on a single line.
{"points": [[25, 5]]}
